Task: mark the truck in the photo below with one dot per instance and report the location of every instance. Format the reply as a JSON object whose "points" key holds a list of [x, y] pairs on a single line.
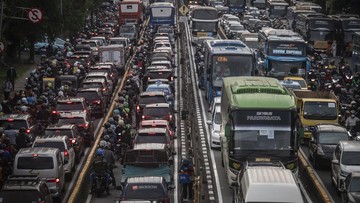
{"points": [[315, 107], [114, 53]]}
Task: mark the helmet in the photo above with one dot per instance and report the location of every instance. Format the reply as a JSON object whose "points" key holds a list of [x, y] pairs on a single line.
{"points": [[121, 123], [24, 100], [116, 112], [106, 137], [107, 125], [185, 162], [22, 130], [99, 152], [102, 144], [108, 145]]}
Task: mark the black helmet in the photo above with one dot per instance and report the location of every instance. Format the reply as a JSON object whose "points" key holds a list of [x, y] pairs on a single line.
{"points": [[107, 125], [22, 130]]}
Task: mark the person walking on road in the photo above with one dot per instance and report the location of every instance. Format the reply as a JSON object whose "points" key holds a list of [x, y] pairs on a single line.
{"points": [[8, 88], [11, 75]]}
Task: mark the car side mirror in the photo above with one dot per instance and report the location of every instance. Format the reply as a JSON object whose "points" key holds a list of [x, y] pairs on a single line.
{"points": [[209, 122], [335, 161]]}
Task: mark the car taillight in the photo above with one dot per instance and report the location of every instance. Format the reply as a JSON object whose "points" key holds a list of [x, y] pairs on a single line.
{"points": [[138, 108], [171, 78], [104, 89], [56, 180], [143, 117], [54, 112], [149, 78], [27, 131], [97, 102], [66, 153], [73, 141], [84, 125]]}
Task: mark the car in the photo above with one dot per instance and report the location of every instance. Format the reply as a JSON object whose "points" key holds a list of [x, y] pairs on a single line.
{"points": [[107, 67], [153, 135], [95, 99], [102, 40], [46, 163], [68, 105], [82, 121], [124, 41], [160, 87], [98, 83], [129, 31], [168, 30], [346, 159], [94, 45], [157, 124], [72, 132], [214, 124], [324, 139], [17, 121], [146, 98], [102, 75], [62, 143], [351, 188], [164, 73], [57, 44], [159, 111], [151, 188], [31, 187]]}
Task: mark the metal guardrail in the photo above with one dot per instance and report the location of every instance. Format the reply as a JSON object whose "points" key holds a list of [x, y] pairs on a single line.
{"points": [[81, 188]]}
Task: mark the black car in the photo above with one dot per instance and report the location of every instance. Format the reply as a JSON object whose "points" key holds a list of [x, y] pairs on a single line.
{"points": [[151, 188], [25, 189], [95, 99], [351, 188], [158, 74], [79, 140], [324, 139]]}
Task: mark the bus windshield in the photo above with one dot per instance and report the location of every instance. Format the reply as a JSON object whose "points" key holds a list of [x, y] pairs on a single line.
{"points": [[317, 35], [287, 48], [230, 65], [236, 2], [204, 26], [286, 66], [351, 24], [205, 14], [321, 23]]}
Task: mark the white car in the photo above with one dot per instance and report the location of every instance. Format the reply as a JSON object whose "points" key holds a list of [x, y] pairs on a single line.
{"points": [[346, 159], [214, 123]]}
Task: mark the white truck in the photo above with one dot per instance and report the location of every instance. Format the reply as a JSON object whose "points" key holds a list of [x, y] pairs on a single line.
{"points": [[115, 54]]}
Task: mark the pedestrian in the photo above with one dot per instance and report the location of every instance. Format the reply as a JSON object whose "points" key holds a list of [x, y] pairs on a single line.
{"points": [[186, 176], [333, 48], [11, 75], [8, 88]]}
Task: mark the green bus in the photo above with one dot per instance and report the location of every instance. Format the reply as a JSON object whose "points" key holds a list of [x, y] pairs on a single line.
{"points": [[259, 124]]}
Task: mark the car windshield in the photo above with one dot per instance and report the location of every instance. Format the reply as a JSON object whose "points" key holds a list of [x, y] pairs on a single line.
{"points": [[66, 132], [35, 163], [16, 124], [152, 100], [151, 138], [58, 145], [71, 120], [27, 196], [217, 119], [355, 185], [350, 158], [144, 191], [332, 138], [156, 112], [69, 106]]}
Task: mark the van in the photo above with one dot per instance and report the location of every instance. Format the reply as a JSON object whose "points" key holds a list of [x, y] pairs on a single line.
{"points": [[44, 162], [266, 184]]}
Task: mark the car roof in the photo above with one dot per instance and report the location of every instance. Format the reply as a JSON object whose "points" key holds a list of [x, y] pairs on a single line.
{"points": [[94, 80], [155, 122], [51, 138], [90, 89], [25, 182], [149, 146], [38, 150], [152, 130], [331, 128], [153, 93], [157, 105], [15, 116], [350, 146], [72, 99], [145, 179], [60, 126]]}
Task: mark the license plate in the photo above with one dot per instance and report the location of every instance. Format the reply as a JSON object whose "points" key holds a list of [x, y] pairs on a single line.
{"points": [[202, 34], [262, 160]]}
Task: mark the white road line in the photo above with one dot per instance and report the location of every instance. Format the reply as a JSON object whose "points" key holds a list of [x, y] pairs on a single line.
{"points": [[198, 96]]}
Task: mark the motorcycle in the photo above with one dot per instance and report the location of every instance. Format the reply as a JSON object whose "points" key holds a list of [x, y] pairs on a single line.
{"points": [[100, 182]]}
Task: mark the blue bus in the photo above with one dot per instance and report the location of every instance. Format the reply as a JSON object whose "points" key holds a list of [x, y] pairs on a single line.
{"points": [[355, 58], [236, 7], [225, 58], [281, 53], [162, 13]]}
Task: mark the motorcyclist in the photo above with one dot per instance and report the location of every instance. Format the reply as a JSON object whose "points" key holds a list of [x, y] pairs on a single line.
{"points": [[44, 114], [351, 120], [355, 129], [110, 160], [100, 168], [22, 139], [186, 174]]}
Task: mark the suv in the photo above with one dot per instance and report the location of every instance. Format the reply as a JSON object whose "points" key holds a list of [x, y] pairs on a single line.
{"points": [[70, 104], [146, 98], [17, 121], [147, 187], [94, 46], [323, 142], [102, 75], [73, 133], [63, 144], [159, 111], [95, 99], [98, 83], [153, 135], [351, 188], [157, 124], [28, 187], [108, 67], [345, 160], [82, 121]]}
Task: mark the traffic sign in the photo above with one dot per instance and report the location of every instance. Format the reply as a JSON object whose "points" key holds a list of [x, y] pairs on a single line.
{"points": [[2, 47], [35, 15], [184, 10]]}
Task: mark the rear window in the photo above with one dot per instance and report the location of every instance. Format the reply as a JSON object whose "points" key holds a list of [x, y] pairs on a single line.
{"points": [[89, 96], [144, 191], [152, 99], [164, 89], [36, 163], [71, 120], [118, 42], [159, 74], [156, 112], [96, 77], [153, 126], [7, 196], [58, 145], [101, 70], [69, 106], [17, 124], [151, 138], [66, 132], [92, 84]]}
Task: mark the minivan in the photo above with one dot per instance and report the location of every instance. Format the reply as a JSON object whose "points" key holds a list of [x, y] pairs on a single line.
{"points": [[44, 162]]}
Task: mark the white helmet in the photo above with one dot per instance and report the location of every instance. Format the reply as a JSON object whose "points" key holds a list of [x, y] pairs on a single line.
{"points": [[102, 144]]}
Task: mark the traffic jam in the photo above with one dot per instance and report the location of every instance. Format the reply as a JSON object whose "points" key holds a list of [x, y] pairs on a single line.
{"points": [[267, 89]]}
